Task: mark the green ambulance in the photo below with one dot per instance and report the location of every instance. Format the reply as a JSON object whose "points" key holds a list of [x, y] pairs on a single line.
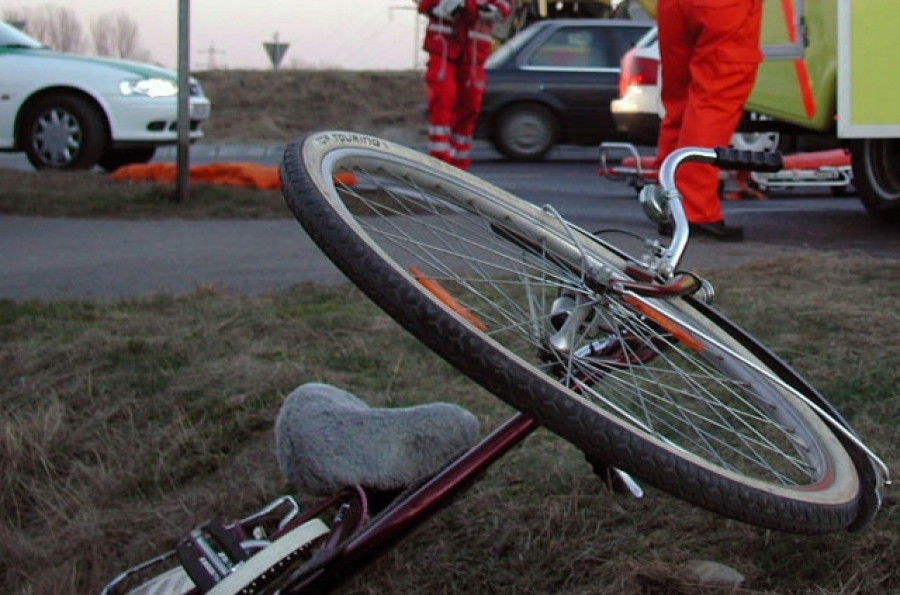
{"points": [[831, 68]]}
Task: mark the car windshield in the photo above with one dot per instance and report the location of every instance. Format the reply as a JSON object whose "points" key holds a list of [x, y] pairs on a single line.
{"points": [[10, 37]]}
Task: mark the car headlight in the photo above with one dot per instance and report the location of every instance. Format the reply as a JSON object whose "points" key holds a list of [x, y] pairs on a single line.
{"points": [[154, 87]]}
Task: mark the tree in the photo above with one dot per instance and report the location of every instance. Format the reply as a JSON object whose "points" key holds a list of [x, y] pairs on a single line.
{"points": [[112, 34], [15, 17], [55, 26], [116, 35]]}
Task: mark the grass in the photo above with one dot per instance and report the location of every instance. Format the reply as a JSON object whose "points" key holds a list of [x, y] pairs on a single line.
{"points": [[84, 194], [127, 423]]}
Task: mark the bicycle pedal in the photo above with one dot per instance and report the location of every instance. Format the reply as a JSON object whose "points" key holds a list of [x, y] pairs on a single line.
{"points": [[209, 554]]}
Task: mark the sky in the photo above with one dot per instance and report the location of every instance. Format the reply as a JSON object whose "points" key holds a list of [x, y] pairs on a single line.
{"points": [[350, 34]]}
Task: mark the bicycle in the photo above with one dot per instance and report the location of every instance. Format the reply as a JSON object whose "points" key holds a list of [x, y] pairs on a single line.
{"points": [[622, 356]]}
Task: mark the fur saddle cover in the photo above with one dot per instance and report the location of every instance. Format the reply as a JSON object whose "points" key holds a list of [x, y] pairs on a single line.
{"points": [[328, 439]]}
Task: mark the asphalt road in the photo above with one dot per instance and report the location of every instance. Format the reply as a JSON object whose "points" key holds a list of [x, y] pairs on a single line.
{"points": [[48, 258]]}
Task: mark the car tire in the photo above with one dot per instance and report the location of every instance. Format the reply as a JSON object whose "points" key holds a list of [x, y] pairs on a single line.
{"points": [[876, 176], [116, 158], [63, 132], [525, 132]]}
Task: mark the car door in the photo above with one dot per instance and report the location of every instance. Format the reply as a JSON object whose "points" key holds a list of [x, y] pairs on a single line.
{"points": [[579, 64]]}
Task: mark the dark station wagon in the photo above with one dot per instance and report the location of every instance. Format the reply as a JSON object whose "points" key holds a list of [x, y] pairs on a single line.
{"points": [[552, 84]]}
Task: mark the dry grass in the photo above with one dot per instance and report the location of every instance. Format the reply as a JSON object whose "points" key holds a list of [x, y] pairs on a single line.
{"points": [[95, 195], [266, 106], [127, 423]]}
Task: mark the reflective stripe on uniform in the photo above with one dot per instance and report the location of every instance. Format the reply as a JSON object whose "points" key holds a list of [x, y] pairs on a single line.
{"points": [[439, 147], [439, 28], [439, 131], [473, 34]]}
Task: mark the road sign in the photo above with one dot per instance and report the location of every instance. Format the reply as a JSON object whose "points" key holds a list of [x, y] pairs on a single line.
{"points": [[276, 51]]}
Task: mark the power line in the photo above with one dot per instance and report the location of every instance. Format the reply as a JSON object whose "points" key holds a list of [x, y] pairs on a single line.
{"points": [[211, 53]]}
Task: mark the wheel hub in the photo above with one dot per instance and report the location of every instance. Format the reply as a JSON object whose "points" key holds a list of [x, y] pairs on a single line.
{"points": [[56, 138]]}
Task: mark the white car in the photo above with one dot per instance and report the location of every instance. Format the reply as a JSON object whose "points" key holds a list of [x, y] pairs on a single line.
{"points": [[68, 111], [638, 110]]}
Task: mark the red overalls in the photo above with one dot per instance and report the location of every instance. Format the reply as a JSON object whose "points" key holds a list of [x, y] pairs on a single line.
{"points": [[444, 47], [478, 42], [455, 79], [710, 54]]}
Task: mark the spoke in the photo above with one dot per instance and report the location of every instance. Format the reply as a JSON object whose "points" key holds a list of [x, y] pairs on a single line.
{"points": [[631, 357]]}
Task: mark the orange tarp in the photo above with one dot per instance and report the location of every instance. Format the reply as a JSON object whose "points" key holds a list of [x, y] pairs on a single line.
{"points": [[248, 175]]}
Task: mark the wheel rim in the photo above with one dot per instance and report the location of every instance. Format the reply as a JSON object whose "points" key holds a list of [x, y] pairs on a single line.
{"points": [[693, 394], [57, 137], [527, 134]]}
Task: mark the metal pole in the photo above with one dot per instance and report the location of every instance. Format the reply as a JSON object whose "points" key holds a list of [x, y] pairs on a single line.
{"points": [[275, 62], [184, 91]]}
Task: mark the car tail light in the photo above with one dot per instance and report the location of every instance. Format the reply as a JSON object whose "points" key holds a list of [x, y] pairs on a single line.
{"points": [[637, 70]]}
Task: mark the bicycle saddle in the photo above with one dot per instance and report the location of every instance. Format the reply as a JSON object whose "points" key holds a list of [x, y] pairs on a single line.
{"points": [[327, 439]]}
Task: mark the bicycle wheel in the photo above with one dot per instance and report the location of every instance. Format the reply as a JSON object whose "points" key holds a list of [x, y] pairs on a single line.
{"points": [[665, 389]]}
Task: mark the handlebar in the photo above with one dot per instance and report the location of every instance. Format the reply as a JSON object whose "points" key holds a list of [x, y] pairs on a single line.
{"points": [[765, 161], [664, 203], [722, 157]]}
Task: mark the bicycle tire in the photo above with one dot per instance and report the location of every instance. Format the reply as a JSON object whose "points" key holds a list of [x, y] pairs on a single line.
{"points": [[681, 398]]}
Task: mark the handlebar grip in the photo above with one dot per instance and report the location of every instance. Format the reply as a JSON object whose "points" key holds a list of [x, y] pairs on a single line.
{"points": [[743, 160]]}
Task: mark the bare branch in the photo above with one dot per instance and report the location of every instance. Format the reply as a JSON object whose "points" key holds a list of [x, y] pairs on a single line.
{"points": [[116, 35], [111, 34], [57, 27]]}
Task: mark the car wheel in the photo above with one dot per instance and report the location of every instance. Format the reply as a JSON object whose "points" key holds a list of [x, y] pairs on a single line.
{"points": [[876, 176], [525, 132], [63, 132], [116, 158]]}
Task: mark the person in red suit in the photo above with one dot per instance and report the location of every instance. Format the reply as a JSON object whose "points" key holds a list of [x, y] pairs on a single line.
{"points": [[443, 43], [458, 40], [479, 17], [710, 54]]}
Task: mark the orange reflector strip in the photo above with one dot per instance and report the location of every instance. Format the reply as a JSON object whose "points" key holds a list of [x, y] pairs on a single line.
{"points": [[345, 178], [668, 324], [438, 291], [806, 92]]}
